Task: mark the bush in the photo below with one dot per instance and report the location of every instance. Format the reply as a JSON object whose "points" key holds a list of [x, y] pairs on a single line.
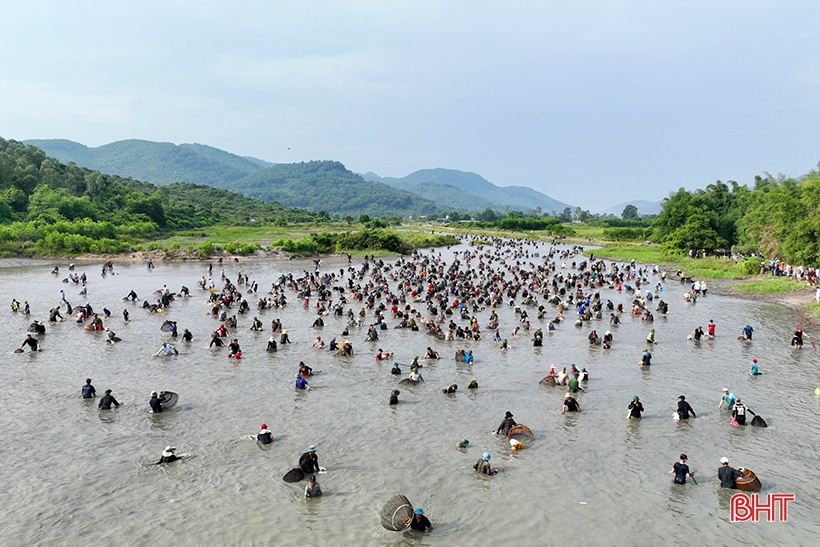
{"points": [[624, 234], [749, 266]]}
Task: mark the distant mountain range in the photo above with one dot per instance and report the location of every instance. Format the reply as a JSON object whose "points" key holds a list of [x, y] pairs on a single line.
{"points": [[316, 185], [460, 190], [644, 207]]}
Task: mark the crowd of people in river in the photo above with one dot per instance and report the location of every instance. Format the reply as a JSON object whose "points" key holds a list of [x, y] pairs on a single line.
{"points": [[442, 300]]}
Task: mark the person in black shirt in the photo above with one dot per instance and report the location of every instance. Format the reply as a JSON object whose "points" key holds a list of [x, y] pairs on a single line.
{"points": [[506, 424], [419, 522], [309, 462], [727, 475], [570, 404], [107, 401], [31, 342], [684, 409], [168, 455], [681, 470], [635, 408], [216, 340], [88, 390], [155, 403], [264, 436]]}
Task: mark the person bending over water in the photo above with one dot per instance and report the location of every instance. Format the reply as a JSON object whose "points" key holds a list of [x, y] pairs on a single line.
{"points": [[483, 465]]}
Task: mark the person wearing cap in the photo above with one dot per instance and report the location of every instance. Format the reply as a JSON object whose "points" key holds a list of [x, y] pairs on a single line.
{"points": [[506, 424], [463, 444], [271, 344], [301, 382], [646, 358], [415, 375], [515, 444], [284, 338], [468, 357], [570, 404], [681, 470], [753, 369], [107, 401], [309, 462], [452, 388], [396, 369], [728, 398], [88, 390], [264, 436], [187, 336], [635, 408], [168, 455], [473, 384], [313, 490], [155, 403], [650, 338], [419, 522], [483, 465], [684, 409], [394, 397], [797, 338], [727, 474]]}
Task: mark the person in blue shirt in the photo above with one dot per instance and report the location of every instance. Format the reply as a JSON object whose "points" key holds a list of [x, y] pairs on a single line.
{"points": [[646, 358], [301, 383], [88, 390], [468, 357], [747, 332], [753, 370], [728, 399]]}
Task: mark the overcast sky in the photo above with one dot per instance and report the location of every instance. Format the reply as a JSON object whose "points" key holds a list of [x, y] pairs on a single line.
{"points": [[593, 103]]}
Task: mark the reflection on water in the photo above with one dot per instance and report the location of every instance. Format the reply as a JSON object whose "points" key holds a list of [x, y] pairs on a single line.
{"points": [[93, 477]]}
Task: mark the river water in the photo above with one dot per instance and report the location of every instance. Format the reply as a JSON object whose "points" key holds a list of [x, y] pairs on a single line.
{"points": [[75, 474]]}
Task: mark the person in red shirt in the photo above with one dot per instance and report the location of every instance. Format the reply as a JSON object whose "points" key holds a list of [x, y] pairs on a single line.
{"points": [[710, 328]]}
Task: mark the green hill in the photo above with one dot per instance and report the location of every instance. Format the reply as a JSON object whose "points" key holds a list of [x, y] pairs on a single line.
{"points": [[155, 162], [329, 186], [48, 206], [315, 185]]}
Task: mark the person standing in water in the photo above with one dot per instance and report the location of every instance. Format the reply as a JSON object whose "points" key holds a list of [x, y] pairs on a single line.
{"points": [[570, 404], [155, 403], [88, 390], [746, 333], [309, 462], [684, 409], [264, 436], [728, 398], [483, 465], [727, 475], [107, 401], [313, 490], [31, 342], [710, 328], [681, 470], [506, 424], [635, 408], [419, 522], [168, 455], [753, 369], [797, 338]]}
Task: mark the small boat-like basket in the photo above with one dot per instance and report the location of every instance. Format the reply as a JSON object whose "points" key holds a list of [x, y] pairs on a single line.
{"points": [[748, 482]]}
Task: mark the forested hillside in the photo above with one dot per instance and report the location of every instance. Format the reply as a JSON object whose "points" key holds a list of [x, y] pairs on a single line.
{"points": [[47, 206], [329, 186], [778, 217], [155, 162]]}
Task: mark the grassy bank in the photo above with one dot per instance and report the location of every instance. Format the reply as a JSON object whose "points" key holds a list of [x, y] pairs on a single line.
{"points": [[700, 268], [771, 285]]}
